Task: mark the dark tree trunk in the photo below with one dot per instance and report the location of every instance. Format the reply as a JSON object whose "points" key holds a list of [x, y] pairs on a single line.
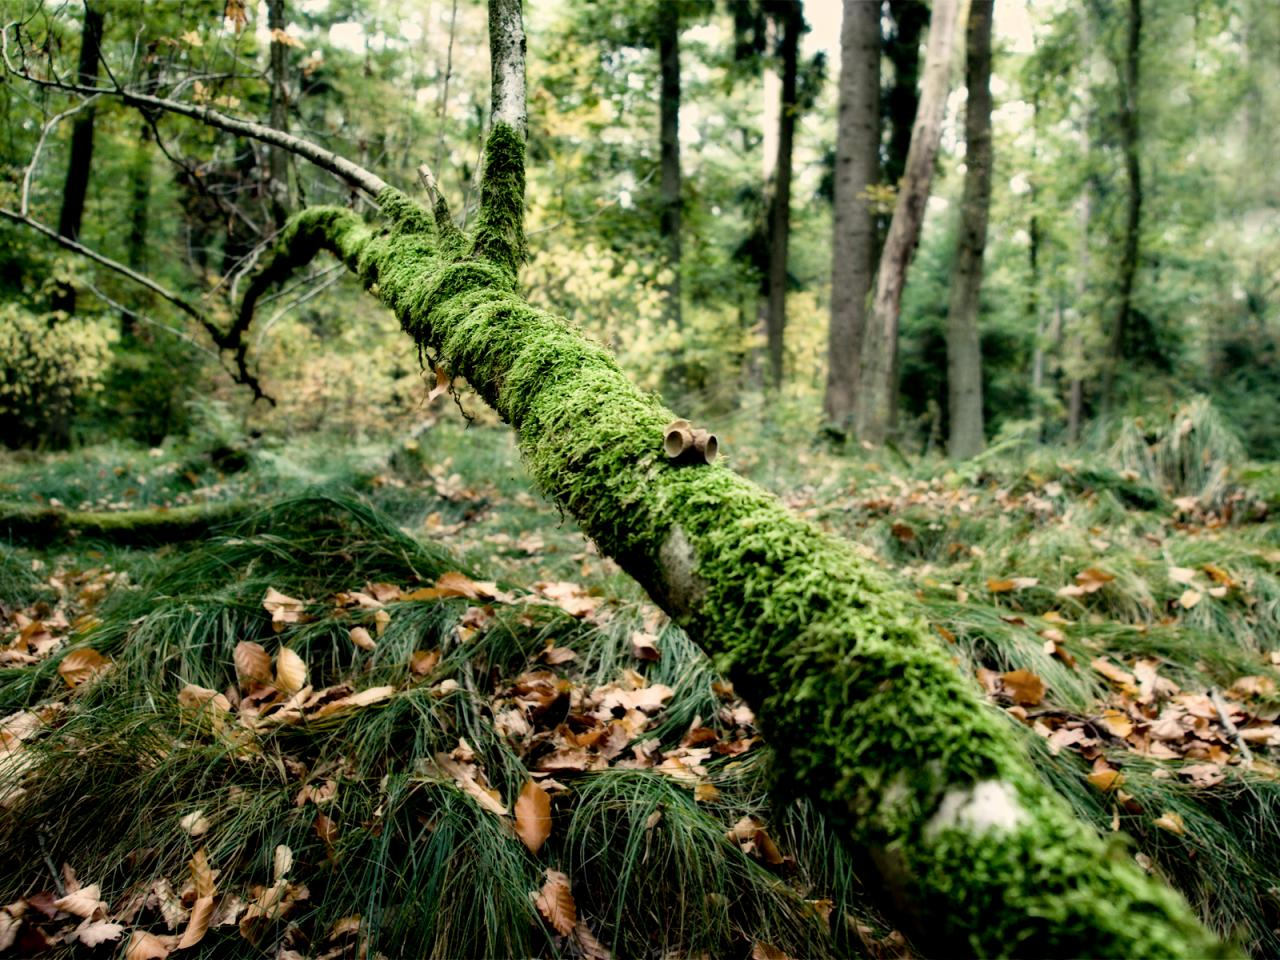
{"points": [[792, 22], [669, 64], [853, 240], [76, 187], [1133, 219], [964, 348], [278, 187]]}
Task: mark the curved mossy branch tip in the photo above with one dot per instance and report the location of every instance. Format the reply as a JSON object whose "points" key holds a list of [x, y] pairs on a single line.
{"points": [[867, 715]]}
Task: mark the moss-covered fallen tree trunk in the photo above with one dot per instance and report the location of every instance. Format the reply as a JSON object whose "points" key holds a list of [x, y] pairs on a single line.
{"points": [[44, 525], [864, 709]]}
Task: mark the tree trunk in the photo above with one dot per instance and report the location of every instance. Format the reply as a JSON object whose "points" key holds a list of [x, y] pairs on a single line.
{"points": [[853, 235], [780, 202], [964, 346], [278, 185], [76, 186], [1128, 118], [903, 28], [877, 389], [669, 63]]}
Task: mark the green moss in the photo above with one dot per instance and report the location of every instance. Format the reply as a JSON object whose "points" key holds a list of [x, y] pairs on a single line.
{"points": [[866, 714]]}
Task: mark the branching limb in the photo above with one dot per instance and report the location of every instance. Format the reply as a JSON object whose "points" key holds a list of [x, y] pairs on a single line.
{"points": [[449, 231], [353, 174], [232, 340]]}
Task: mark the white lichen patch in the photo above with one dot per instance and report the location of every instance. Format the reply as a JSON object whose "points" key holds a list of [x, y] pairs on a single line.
{"points": [[986, 806], [684, 588]]}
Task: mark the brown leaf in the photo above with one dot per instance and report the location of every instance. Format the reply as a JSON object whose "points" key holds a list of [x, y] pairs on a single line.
{"points": [[147, 946], [201, 914], [1171, 822], [361, 638], [195, 824], [468, 777], [644, 646], [355, 701], [94, 933], [767, 951], [253, 665], [326, 829], [1117, 675], [592, 949], [1117, 723], [291, 672], [1024, 687], [555, 902], [81, 666], [284, 610], [533, 816], [422, 662], [1105, 777], [84, 902], [202, 874], [442, 383]]}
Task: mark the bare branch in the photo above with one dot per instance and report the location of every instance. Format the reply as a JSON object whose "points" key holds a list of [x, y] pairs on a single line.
{"points": [[353, 174], [24, 204]]}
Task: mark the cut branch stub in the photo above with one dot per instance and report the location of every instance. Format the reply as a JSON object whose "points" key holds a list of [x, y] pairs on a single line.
{"points": [[683, 443]]}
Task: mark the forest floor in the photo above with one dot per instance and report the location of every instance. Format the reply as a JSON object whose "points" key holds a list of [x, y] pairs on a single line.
{"points": [[401, 700]]}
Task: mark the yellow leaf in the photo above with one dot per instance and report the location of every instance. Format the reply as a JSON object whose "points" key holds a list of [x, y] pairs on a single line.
{"points": [[1189, 598], [291, 672], [533, 816], [202, 874], [192, 39], [1106, 779], [1117, 723], [1171, 822], [361, 638]]}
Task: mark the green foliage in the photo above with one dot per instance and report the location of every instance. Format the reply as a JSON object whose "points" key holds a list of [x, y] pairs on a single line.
{"points": [[48, 366]]}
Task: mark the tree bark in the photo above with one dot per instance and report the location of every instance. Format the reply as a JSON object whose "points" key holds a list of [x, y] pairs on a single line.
{"points": [[278, 158], [76, 185], [902, 99], [964, 346], [1129, 134], [853, 234], [668, 37], [877, 388], [780, 201]]}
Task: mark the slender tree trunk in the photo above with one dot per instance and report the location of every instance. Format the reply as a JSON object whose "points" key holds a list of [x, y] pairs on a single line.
{"points": [[669, 64], [877, 399], [903, 29], [76, 186], [780, 202], [1073, 360], [1133, 220], [853, 234], [964, 345], [278, 187]]}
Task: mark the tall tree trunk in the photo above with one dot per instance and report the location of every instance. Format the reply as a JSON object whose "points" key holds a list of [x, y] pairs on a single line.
{"points": [[853, 234], [877, 388], [278, 187], [76, 186], [902, 99], [1133, 219], [669, 65], [779, 235], [964, 345]]}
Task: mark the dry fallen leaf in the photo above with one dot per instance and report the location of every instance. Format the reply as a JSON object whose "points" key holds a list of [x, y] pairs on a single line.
{"points": [[1024, 687], [253, 664], [422, 662], [201, 914], [644, 646], [469, 777], [361, 638], [284, 610], [1171, 822], [767, 951], [555, 902], [84, 902], [291, 672], [81, 666], [533, 816], [195, 823], [1189, 598], [147, 946]]}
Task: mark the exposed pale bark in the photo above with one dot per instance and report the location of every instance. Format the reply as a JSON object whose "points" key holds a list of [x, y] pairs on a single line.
{"points": [[877, 387], [853, 235], [1129, 134], [668, 30], [964, 346], [779, 235]]}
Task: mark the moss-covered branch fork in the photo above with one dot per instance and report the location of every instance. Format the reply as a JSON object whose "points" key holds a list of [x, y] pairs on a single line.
{"points": [[866, 714]]}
